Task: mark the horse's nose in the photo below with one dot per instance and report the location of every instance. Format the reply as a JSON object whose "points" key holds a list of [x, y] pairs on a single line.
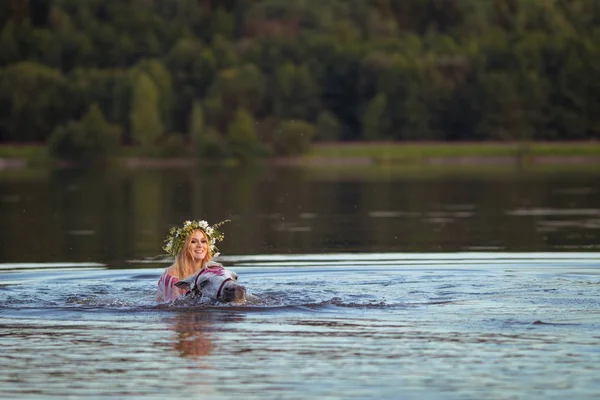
{"points": [[235, 289], [234, 292]]}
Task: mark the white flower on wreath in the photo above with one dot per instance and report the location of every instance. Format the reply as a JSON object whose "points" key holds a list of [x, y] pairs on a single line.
{"points": [[177, 236]]}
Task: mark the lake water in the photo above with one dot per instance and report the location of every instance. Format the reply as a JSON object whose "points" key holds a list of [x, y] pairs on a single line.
{"points": [[387, 285]]}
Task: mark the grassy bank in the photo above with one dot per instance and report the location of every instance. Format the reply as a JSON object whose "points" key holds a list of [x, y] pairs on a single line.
{"points": [[28, 152], [380, 160], [396, 154], [30, 155], [414, 151]]}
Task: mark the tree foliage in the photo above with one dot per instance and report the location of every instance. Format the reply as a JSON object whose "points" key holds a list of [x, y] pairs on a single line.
{"points": [[292, 137], [34, 98], [327, 128], [357, 70], [89, 141], [243, 142], [146, 122]]}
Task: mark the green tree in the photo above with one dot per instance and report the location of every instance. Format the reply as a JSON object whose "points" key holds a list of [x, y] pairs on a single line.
{"points": [[502, 109], [87, 142], [224, 51], [206, 141], [380, 25], [196, 122], [242, 87], [375, 119], [339, 85], [433, 61], [293, 137], [146, 123], [71, 47], [422, 106], [242, 139], [110, 89], [328, 127], [204, 71], [296, 93], [33, 100], [8, 43], [181, 58], [161, 77], [222, 23]]}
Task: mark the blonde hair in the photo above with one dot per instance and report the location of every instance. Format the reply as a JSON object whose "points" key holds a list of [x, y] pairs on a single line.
{"points": [[184, 264]]}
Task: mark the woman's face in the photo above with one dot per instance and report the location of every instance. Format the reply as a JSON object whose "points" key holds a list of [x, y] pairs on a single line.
{"points": [[198, 246]]}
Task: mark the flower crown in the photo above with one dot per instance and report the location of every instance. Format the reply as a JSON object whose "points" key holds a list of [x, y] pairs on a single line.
{"points": [[177, 235]]}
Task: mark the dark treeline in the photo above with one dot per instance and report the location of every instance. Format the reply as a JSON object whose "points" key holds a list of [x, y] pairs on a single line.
{"points": [[257, 76]]}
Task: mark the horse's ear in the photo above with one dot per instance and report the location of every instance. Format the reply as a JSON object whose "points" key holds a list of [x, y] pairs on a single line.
{"points": [[183, 285]]}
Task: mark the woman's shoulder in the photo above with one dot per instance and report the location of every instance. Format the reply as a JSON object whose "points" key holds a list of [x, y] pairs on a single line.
{"points": [[169, 273]]}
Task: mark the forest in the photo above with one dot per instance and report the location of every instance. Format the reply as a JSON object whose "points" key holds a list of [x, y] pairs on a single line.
{"points": [[227, 78]]}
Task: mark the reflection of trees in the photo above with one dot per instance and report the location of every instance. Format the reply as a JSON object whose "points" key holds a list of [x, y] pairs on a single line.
{"points": [[86, 206], [89, 216], [146, 211], [25, 212]]}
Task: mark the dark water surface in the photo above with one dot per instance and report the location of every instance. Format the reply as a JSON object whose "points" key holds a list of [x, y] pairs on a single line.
{"points": [[448, 286], [68, 216]]}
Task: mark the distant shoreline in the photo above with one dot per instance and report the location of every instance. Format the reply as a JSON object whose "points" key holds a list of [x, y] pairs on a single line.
{"points": [[439, 161], [357, 154], [459, 153]]}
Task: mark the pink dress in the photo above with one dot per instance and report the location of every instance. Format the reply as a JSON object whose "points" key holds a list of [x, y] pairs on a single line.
{"points": [[167, 291]]}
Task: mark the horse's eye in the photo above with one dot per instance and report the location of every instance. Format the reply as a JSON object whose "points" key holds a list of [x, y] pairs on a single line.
{"points": [[203, 283], [234, 276]]}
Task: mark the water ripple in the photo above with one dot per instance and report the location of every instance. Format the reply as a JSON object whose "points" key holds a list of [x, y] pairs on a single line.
{"points": [[447, 326]]}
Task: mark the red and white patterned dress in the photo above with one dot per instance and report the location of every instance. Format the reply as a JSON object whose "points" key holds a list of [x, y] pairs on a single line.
{"points": [[167, 291]]}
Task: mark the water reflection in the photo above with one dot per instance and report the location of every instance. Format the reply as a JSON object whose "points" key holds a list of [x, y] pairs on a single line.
{"points": [[195, 329], [192, 334], [444, 325], [114, 216]]}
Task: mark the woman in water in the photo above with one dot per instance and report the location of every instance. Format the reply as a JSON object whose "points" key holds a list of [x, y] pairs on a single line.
{"points": [[193, 246]]}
